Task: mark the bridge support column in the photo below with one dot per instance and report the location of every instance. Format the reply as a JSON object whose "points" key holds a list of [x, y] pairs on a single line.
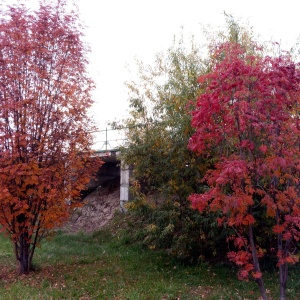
{"points": [[125, 195]]}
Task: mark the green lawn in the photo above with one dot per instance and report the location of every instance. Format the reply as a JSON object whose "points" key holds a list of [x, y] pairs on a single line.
{"points": [[100, 266]]}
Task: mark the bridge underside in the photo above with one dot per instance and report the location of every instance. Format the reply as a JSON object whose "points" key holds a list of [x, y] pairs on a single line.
{"points": [[112, 174]]}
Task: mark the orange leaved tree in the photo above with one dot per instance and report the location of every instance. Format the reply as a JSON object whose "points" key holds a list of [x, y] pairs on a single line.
{"points": [[45, 133], [249, 117]]}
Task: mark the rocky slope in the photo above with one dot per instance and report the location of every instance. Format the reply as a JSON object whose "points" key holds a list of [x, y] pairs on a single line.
{"points": [[98, 209]]}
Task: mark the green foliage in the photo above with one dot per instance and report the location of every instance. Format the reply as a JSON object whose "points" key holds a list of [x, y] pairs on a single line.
{"points": [[158, 131], [159, 127], [160, 223]]}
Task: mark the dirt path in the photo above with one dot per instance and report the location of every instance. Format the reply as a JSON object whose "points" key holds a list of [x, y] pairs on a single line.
{"points": [[98, 210]]}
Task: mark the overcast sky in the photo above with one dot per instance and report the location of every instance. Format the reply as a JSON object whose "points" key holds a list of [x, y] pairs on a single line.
{"points": [[120, 30]]}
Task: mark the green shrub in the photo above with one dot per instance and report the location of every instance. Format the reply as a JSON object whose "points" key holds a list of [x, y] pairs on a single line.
{"points": [[176, 228]]}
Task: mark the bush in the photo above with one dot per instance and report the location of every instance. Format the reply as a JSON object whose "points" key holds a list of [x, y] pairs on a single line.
{"points": [[179, 230]]}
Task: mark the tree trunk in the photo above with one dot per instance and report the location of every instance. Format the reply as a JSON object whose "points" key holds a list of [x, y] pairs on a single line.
{"points": [[22, 254], [283, 268], [283, 274], [259, 281]]}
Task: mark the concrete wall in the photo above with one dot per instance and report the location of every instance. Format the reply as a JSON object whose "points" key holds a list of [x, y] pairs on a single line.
{"points": [[125, 194], [113, 169]]}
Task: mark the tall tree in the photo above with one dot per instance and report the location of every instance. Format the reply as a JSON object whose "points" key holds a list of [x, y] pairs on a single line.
{"points": [[159, 129], [158, 132], [45, 131], [159, 126], [160, 99], [248, 115]]}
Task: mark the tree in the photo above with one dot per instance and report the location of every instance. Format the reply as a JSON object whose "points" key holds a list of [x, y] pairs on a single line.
{"points": [[248, 115], [45, 132], [159, 128]]}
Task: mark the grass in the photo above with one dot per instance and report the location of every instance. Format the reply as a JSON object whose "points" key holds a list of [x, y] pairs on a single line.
{"points": [[100, 266]]}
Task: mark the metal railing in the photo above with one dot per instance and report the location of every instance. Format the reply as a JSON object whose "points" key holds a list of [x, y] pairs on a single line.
{"points": [[109, 139]]}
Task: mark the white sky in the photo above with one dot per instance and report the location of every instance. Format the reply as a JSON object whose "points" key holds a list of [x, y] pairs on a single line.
{"points": [[120, 30]]}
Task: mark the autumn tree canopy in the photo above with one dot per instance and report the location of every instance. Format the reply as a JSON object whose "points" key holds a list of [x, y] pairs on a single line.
{"points": [[248, 117], [45, 131], [159, 128]]}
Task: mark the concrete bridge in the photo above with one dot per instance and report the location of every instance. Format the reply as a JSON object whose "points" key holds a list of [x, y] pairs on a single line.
{"points": [[113, 169]]}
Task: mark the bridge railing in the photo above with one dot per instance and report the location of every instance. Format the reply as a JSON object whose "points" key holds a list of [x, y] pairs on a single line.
{"points": [[109, 139]]}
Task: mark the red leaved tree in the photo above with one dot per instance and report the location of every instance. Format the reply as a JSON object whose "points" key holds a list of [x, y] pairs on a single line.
{"points": [[249, 118], [45, 133]]}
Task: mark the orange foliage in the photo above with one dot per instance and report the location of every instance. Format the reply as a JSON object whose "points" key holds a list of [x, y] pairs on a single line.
{"points": [[45, 132]]}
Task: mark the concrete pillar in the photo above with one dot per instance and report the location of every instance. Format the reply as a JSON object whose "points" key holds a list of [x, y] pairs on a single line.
{"points": [[125, 195]]}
